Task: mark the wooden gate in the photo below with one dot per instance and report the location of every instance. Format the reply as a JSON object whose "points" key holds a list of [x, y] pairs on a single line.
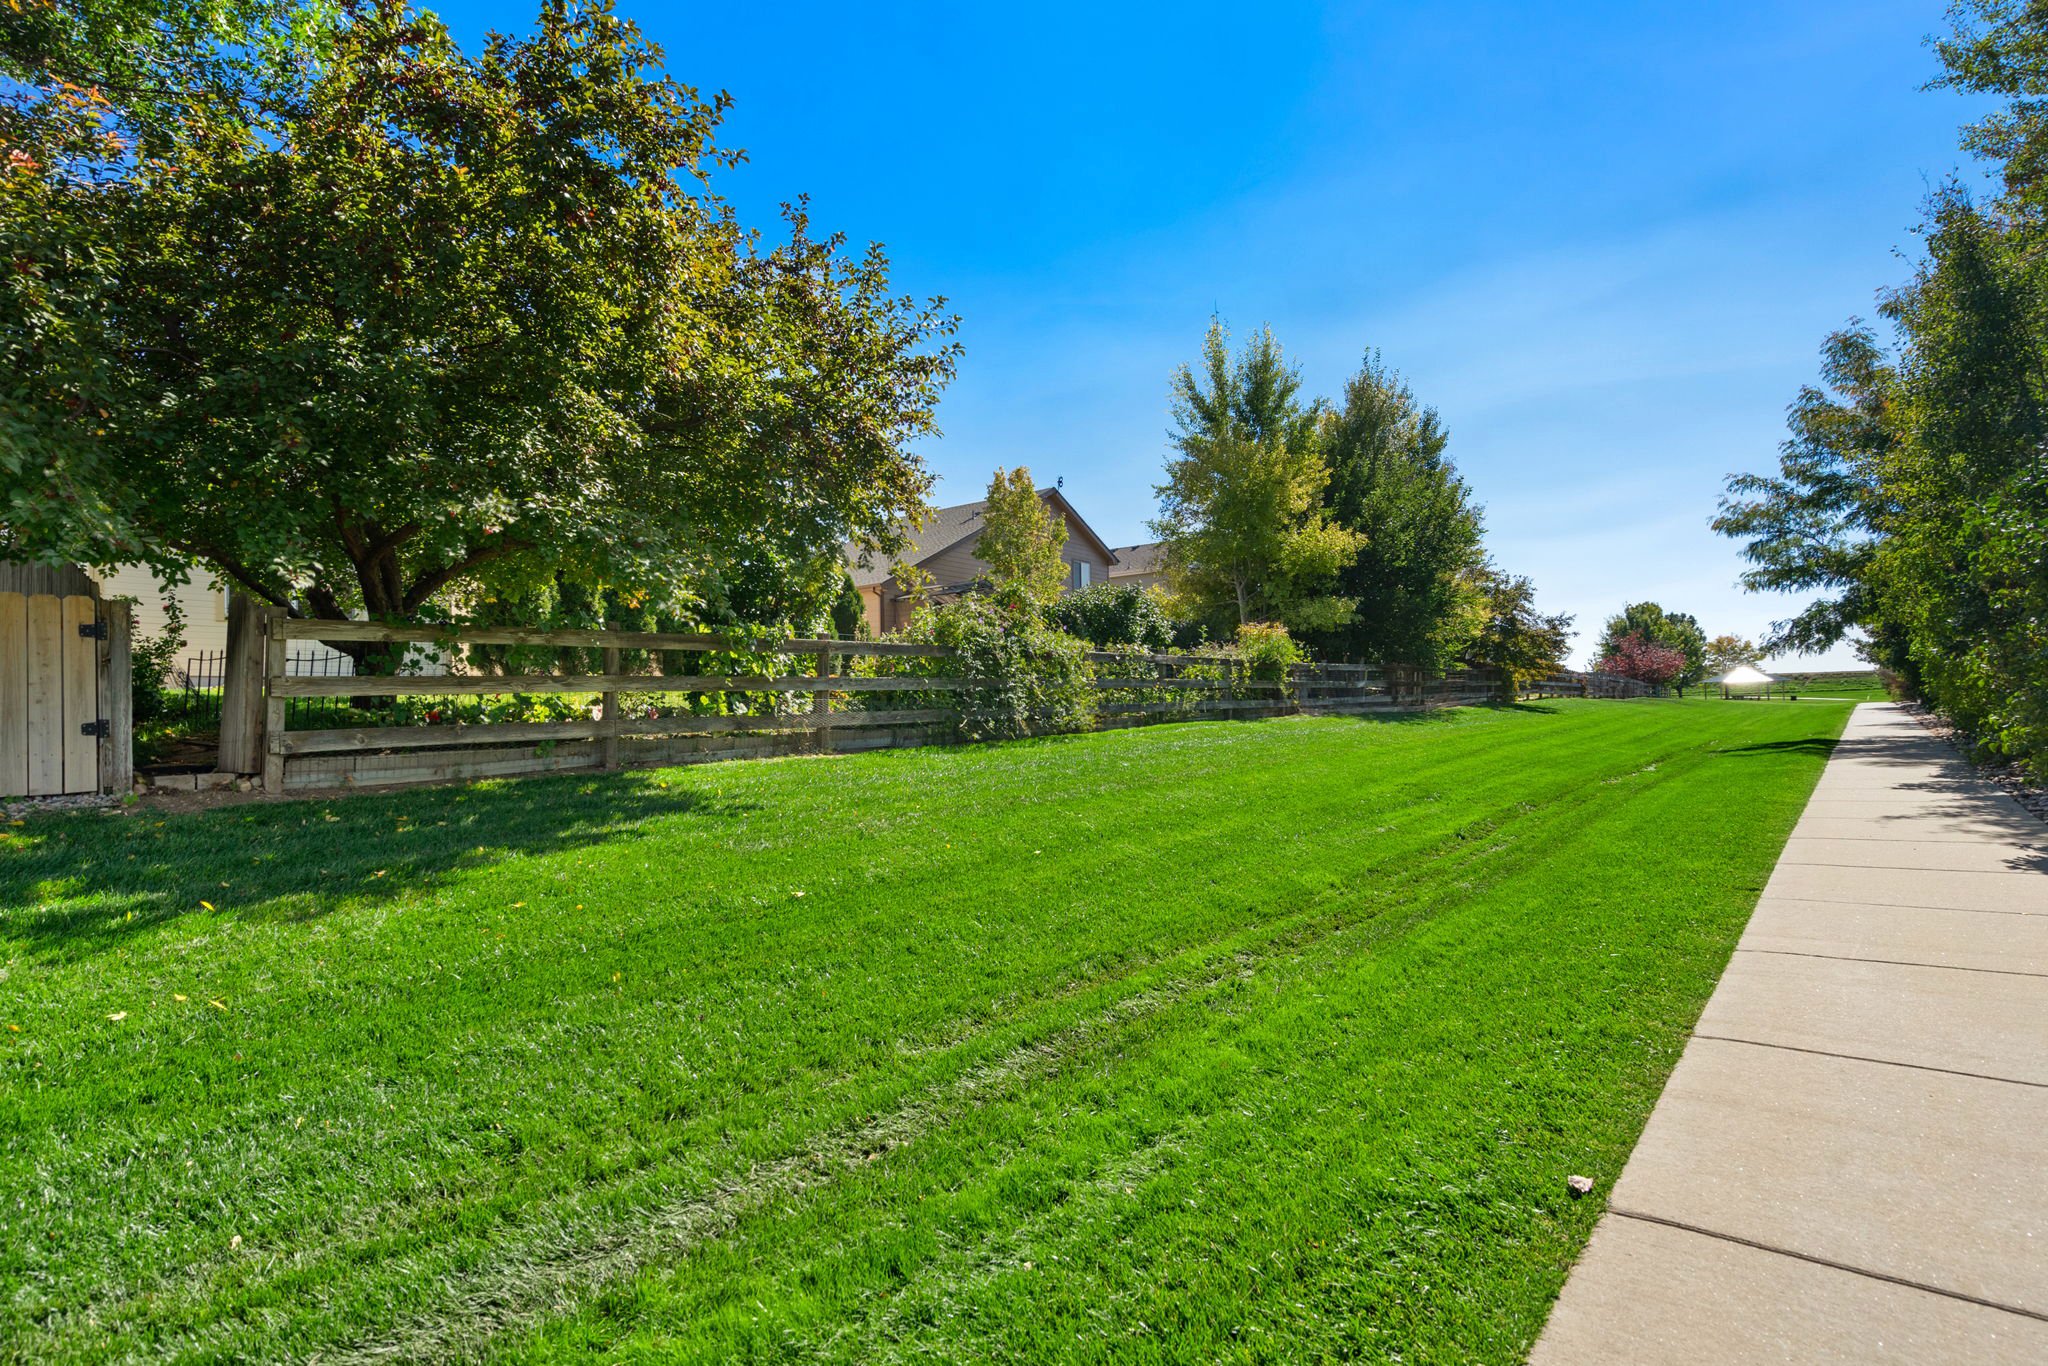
{"points": [[65, 707]]}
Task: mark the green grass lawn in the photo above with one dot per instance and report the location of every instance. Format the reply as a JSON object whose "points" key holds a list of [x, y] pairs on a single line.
{"points": [[1252, 1041], [1864, 686]]}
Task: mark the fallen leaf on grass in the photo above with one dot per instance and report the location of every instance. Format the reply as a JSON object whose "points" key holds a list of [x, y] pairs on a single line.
{"points": [[217, 1005], [206, 905], [118, 1015], [178, 996]]}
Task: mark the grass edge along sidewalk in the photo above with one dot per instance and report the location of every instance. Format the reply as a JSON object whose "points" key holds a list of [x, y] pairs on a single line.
{"points": [[1846, 1163], [1215, 1041]]}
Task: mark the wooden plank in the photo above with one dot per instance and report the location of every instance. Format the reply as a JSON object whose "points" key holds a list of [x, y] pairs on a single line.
{"points": [[275, 644], [361, 739], [56, 580], [81, 668], [241, 704], [451, 685], [1134, 657], [1203, 707], [117, 699], [1211, 684], [45, 695], [304, 773], [310, 628], [13, 695]]}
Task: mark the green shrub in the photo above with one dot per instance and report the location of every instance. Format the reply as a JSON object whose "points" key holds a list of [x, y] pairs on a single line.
{"points": [[1113, 616], [849, 613], [1025, 678], [1267, 650], [150, 659]]}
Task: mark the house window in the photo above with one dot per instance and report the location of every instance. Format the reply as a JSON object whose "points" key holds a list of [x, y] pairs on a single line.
{"points": [[1080, 573]]}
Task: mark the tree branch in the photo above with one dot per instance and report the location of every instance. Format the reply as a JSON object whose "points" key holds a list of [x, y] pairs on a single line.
{"points": [[430, 583], [239, 572]]}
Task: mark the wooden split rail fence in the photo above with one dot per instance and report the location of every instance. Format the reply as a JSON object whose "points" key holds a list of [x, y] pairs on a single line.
{"points": [[1569, 683], [821, 695]]}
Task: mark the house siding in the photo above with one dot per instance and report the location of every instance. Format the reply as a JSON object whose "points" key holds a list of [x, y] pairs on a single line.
{"points": [[957, 564], [204, 602]]}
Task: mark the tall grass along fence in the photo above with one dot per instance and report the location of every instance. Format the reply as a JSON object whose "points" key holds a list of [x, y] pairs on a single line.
{"points": [[611, 699]]}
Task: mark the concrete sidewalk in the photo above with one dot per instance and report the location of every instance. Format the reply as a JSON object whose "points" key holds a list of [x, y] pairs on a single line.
{"points": [[1850, 1161]]}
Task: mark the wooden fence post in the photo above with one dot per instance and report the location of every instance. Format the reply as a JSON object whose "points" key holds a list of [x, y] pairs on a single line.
{"points": [[273, 705], [608, 746], [117, 701], [241, 702], [821, 702]]}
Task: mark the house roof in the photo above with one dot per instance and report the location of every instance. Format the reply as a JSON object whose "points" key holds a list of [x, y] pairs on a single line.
{"points": [[1149, 558], [947, 527]]}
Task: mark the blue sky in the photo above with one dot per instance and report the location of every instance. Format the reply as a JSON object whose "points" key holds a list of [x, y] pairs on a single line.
{"points": [[1604, 240]]}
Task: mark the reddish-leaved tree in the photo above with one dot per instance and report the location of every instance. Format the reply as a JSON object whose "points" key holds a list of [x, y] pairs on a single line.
{"points": [[1635, 656]]}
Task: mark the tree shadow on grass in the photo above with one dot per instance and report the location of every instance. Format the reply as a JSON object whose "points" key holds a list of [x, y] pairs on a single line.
{"points": [[1812, 744], [77, 885]]}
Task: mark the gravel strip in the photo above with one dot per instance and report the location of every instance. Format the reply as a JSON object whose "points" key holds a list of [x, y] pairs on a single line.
{"points": [[22, 807]]}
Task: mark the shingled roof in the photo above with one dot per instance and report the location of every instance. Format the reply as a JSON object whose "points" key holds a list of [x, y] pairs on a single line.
{"points": [[945, 527], [1149, 558]]}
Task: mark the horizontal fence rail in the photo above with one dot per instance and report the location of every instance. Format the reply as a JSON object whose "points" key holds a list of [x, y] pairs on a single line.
{"points": [[336, 726]]}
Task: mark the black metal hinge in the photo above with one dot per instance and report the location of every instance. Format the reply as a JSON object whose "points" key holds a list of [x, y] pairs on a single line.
{"points": [[92, 630], [98, 728]]}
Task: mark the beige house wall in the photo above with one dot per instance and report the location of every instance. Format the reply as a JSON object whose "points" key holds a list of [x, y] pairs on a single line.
{"points": [[957, 563], [205, 605]]}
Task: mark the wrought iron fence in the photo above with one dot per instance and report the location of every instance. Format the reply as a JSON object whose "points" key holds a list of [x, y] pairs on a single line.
{"points": [[202, 680]]}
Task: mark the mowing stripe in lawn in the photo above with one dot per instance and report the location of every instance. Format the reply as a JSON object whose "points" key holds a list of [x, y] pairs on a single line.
{"points": [[1013, 974]]}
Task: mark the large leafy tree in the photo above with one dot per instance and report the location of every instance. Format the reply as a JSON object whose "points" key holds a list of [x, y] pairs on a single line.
{"points": [[1515, 637], [1963, 565], [1726, 652], [1416, 572], [1813, 526], [1650, 624], [90, 91], [1914, 493], [392, 325], [1021, 541], [1247, 535], [1634, 655]]}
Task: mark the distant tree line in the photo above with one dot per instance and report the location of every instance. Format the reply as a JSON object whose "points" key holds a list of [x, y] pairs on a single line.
{"points": [[1344, 521], [1912, 492]]}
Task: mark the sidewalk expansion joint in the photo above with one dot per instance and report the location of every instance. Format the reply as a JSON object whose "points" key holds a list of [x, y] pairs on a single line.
{"points": [[1849, 1267], [1909, 839], [1910, 868], [1892, 962], [1880, 1062], [1890, 905]]}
